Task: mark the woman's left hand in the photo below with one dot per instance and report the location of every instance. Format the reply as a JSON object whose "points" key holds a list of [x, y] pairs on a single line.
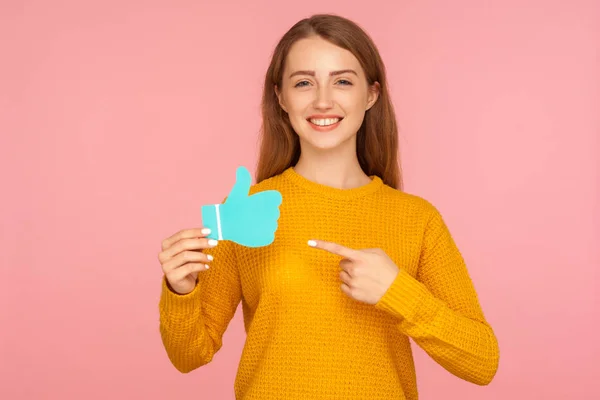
{"points": [[366, 274]]}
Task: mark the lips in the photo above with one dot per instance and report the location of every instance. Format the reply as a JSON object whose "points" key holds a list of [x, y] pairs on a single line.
{"points": [[324, 120], [324, 123]]}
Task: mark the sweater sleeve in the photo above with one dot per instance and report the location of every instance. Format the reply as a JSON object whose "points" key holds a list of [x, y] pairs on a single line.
{"points": [[192, 325], [440, 309]]}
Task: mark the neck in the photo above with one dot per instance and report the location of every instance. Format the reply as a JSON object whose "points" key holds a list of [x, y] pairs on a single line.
{"points": [[338, 168]]}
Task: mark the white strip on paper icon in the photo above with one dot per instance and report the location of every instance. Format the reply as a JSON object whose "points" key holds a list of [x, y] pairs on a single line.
{"points": [[220, 233]]}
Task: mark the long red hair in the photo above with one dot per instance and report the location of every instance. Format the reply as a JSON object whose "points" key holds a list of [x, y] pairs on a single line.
{"points": [[377, 138]]}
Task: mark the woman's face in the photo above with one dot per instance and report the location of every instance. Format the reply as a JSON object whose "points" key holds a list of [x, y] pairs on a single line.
{"points": [[325, 93]]}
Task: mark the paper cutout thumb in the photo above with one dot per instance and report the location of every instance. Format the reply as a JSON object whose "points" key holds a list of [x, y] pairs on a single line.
{"points": [[247, 220]]}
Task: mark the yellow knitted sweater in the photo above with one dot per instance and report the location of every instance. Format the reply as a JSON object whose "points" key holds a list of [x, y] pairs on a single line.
{"points": [[306, 339]]}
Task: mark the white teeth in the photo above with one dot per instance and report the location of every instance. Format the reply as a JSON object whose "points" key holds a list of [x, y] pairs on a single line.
{"points": [[324, 122]]}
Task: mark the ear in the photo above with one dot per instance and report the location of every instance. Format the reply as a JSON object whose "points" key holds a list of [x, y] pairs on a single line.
{"points": [[279, 97], [373, 94]]}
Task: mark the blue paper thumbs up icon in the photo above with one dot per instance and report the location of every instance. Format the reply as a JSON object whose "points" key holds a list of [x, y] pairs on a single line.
{"points": [[247, 220]]}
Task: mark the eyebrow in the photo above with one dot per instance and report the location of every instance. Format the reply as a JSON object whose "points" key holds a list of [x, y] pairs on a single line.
{"points": [[332, 73]]}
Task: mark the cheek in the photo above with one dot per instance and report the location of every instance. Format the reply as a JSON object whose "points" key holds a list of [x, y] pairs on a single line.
{"points": [[296, 116], [355, 106], [353, 102], [297, 101], [354, 109]]}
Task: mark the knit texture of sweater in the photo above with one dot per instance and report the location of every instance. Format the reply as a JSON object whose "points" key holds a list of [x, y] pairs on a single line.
{"points": [[305, 338]]}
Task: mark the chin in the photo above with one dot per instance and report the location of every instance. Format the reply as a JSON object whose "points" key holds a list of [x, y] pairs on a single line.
{"points": [[323, 142]]}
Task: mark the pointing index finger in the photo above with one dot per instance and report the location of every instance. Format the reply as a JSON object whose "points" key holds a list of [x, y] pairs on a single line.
{"points": [[334, 248]]}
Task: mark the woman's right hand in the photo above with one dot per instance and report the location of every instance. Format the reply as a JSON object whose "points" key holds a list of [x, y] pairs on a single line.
{"points": [[182, 259]]}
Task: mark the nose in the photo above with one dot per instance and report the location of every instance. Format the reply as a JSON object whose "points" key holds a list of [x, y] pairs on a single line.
{"points": [[323, 98]]}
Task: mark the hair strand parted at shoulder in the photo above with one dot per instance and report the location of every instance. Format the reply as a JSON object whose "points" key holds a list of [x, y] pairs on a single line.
{"points": [[377, 138]]}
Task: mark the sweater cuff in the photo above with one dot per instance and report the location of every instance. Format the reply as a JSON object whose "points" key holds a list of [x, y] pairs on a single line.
{"points": [[409, 300], [179, 305]]}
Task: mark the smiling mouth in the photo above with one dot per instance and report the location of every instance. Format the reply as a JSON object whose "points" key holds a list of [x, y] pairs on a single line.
{"points": [[324, 121]]}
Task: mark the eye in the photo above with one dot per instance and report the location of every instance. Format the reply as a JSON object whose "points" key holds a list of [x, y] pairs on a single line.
{"points": [[344, 82], [301, 84]]}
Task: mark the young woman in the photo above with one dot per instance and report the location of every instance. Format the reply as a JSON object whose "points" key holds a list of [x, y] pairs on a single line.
{"points": [[357, 268]]}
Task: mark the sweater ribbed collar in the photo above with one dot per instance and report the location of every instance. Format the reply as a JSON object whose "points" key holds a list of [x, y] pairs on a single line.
{"points": [[331, 192]]}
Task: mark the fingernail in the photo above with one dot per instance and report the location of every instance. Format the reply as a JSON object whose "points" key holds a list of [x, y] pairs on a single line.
{"points": [[206, 265], [205, 231], [312, 243], [212, 242], [209, 257]]}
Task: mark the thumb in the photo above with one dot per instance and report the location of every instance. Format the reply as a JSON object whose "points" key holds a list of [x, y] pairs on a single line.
{"points": [[243, 180]]}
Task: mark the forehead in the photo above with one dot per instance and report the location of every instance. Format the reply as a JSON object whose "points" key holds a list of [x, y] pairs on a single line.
{"points": [[317, 54]]}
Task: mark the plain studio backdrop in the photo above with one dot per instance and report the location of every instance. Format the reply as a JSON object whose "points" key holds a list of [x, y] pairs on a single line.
{"points": [[120, 119]]}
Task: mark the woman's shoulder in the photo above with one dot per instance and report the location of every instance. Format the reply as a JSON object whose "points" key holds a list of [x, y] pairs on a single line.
{"points": [[409, 203], [272, 183]]}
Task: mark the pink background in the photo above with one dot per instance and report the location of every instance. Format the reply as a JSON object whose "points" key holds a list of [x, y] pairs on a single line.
{"points": [[119, 119]]}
